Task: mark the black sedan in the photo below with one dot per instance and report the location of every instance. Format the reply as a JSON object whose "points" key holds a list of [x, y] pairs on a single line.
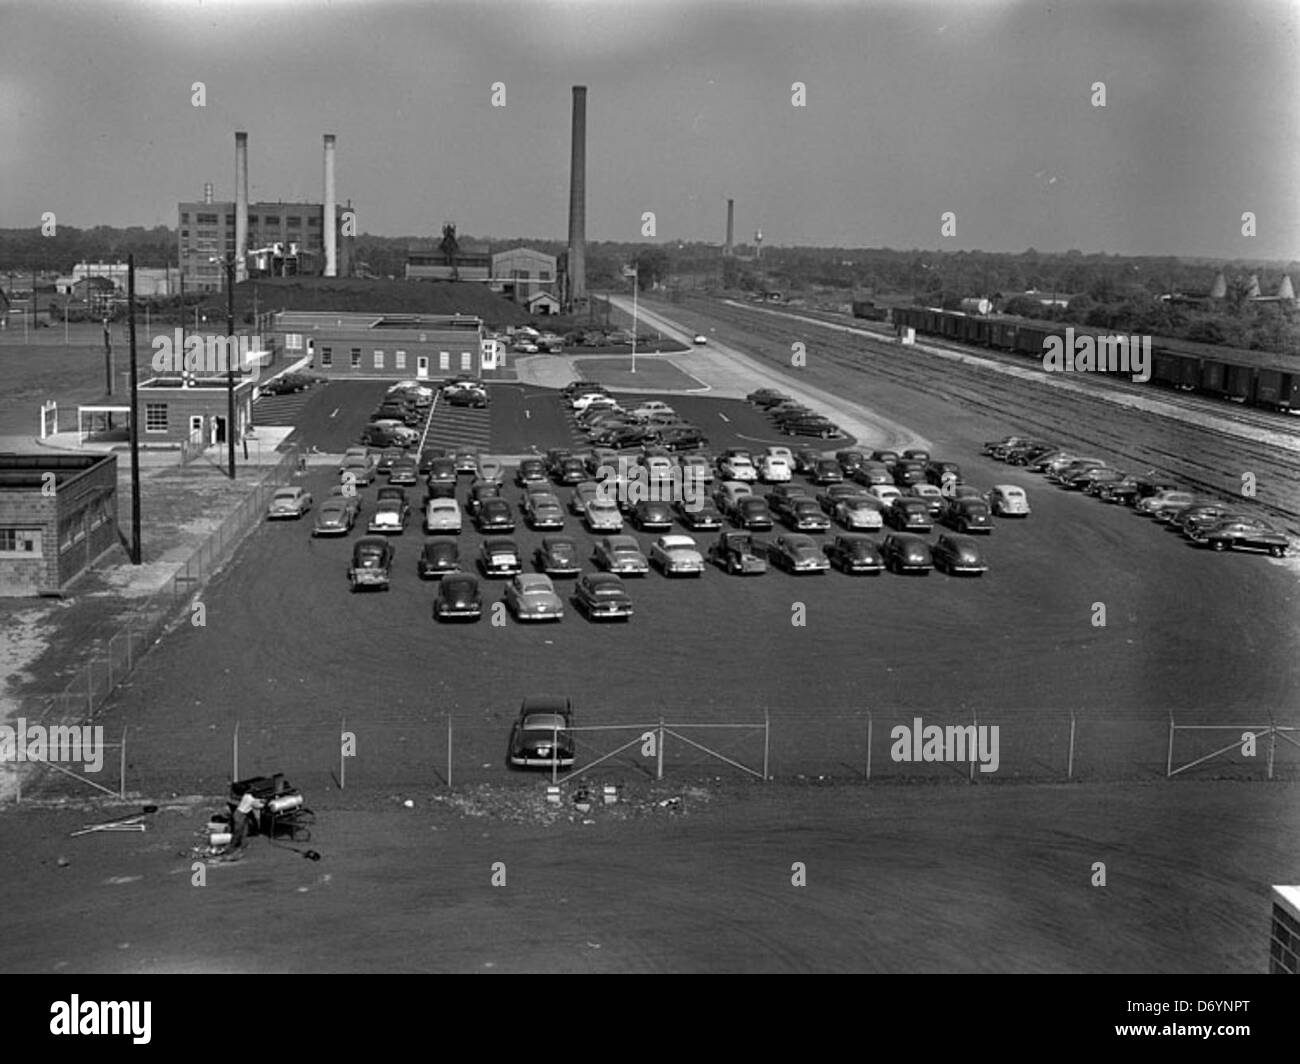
{"points": [[652, 516], [441, 480], [957, 555], [967, 515], [494, 515], [458, 598], [499, 557], [530, 471], [558, 556], [806, 515], [909, 515], [906, 554], [752, 514], [439, 557], [700, 516], [540, 737], [855, 555], [797, 553], [602, 597], [827, 471], [1243, 535], [480, 491]]}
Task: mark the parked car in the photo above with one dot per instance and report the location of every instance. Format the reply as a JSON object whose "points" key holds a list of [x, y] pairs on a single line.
{"points": [[683, 438], [738, 468], [439, 557], [1008, 500], [676, 555], [916, 454], [532, 597], [774, 470], [859, 513], [348, 493], [797, 553], [489, 470], [957, 555], [751, 513], [582, 494], [701, 516], [872, 473], [620, 554], [479, 493], [543, 510], [829, 498], [494, 515], [649, 516], [1133, 488], [729, 493], [967, 515], [887, 458], [476, 398], [442, 516], [334, 518], [288, 502], [458, 598], [931, 495], [805, 515], [738, 554], [697, 467], [372, 563], [1092, 480], [570, 470], [827, 471], [855, 555], [764, 395], [908, 472], [466, 460], [1193, 518], [1243, 535], [909, 515], [541, 738], [904, 553], [886, 493], [850, 460], [360, 462], [602, 596], [1164, 503], [557, 556], [499, 557], [805, 458], [389, 517], [603, 515], [442, 477], [811, 426], [939, 473]]}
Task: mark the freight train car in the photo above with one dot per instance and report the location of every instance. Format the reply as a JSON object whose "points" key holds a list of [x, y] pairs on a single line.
{"points": [[868, 310]]}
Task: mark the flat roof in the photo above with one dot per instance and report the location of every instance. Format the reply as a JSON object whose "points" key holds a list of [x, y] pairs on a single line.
{"points": [[29, 470]]}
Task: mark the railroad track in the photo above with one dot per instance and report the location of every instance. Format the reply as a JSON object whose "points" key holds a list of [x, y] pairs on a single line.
{"points": [[1206, 459]]}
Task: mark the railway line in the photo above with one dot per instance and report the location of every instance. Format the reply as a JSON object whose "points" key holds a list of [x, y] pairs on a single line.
{"points": [[1185, 447]]}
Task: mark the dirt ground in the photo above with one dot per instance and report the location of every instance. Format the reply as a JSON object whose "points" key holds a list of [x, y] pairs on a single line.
{"points": [[898, 879]]}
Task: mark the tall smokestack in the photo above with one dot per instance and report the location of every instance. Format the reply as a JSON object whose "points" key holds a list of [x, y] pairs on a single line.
{"points": [[241, 207], [578, 198], [328, 222], [731, 227], [207, 193]]}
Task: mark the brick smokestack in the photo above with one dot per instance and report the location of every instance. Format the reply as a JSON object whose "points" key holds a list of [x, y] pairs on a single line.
{"points": [[241, 207], [578, 198], [328, 222], [731, 227]]}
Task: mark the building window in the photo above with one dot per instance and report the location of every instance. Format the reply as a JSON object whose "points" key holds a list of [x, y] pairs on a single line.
{"points": [[379, 360], [155, 417], [313, 223], [271, 219], [230, 219], [185, 234], [293, 341], [544, 275], [327, 356], [294, 223], [185, 217], [206, 219], [466, 360], [356, 358], [399, 359], [444, 360], [72, 530], [20, 542]]}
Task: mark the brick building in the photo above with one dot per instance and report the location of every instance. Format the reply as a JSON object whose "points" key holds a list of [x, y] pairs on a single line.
{"points": [[173, 411], [348, 344], [58, 515]]}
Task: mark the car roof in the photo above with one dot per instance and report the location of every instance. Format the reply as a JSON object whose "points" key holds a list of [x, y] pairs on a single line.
{"points": [[798, 539], [677, 541], [1009, 489], [622, 541], [500, 543], [534, 580]]}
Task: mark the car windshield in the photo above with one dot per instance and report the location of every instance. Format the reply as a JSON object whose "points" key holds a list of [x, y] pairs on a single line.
{"points": [[545, 721]]}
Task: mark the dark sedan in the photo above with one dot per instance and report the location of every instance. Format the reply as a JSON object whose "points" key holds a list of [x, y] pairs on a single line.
{"points": [[480, 491], [499, 557], [603, 597], [1243, 535], [752, 514], [494, 515], [908, 472], [439, 557], [570, 470], [540, 737], [702, 516], [967, 515], [797, 554], [906, 554], [827, 471], [957, 555], [441, 481], [652, 516], [855, 555], [806, 515], [811, 426], [909, 515], [558, 556], [530, 471]]}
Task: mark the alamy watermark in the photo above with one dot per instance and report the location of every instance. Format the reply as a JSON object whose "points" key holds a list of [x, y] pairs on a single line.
{"points": [[630, 483], [1098, 354], [954, 743], [179, 353], [75, 744]]}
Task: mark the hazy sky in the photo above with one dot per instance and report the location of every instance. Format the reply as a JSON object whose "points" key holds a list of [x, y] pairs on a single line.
{"points": [[913, 109]]}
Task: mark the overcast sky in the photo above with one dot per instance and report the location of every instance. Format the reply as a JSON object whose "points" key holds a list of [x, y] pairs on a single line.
{"points": [[913, 109]]}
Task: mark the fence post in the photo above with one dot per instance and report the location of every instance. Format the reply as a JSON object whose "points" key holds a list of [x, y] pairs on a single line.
{"points": [[121, 778], [1169, 759], [343, 730], [659, 773], [235, 753], [448, 751], [1272, 743], [767, 741], [1069, 767], [868, 746]]}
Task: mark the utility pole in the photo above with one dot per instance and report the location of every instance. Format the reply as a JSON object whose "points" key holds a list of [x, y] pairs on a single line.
{"points": [[135, 420], [108, 351], [229, 263]]}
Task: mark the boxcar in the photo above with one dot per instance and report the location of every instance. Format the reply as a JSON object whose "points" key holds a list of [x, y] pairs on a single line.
{"points": [[1277, 388], [1002, 334], [1213, 373], [1239, 382]]}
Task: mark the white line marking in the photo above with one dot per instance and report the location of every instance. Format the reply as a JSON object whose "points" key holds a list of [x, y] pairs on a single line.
{"points": [[724, 417], [528, 414], [335, 413]]}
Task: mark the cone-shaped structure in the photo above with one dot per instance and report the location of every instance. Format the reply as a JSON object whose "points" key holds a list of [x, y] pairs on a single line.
{"points": [[1252, 287], [1284, 290], [1219, 290]]}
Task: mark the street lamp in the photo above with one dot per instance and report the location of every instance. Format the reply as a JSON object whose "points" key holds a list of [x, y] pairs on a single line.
{"points": [[229, 263]]}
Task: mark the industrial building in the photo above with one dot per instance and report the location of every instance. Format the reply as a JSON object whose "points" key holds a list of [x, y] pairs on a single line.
{"points": [[267, 239], [58, 515], [426, 261], [523, 274], [347, 344]]}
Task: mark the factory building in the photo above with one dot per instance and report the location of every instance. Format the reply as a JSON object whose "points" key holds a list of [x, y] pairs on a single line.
{"points": [[348, 344], [429, 262], [267, 239], [523, 274], [58, 514]]}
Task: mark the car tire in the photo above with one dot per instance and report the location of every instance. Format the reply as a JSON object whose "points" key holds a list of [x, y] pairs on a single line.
{"points": [[1218, 544]]}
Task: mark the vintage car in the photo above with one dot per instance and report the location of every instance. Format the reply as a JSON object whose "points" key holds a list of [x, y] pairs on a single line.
{"points": [[602, 596], [620, 554], [967, 515], [542, 510], [458, 598], [1008, 500], [442, 516], [499, 557], [438, 558], [494, 515], [532, 597], [860, 513], [389, 517], [1243, 535], [958, 555], [558, 556], [855, 555], [541, 738], [288, 502], [372, 563], [796, 553], [603, 515], [677, 555], [909, 515], [904, 553], [738, 554], [335, 517]]}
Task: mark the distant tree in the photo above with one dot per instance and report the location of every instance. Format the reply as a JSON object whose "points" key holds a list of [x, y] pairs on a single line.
{"points": [[450, 247], [652, 266]]}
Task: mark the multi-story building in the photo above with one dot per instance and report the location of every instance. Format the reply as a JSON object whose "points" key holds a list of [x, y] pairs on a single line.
{"points": [[207, 231]]}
